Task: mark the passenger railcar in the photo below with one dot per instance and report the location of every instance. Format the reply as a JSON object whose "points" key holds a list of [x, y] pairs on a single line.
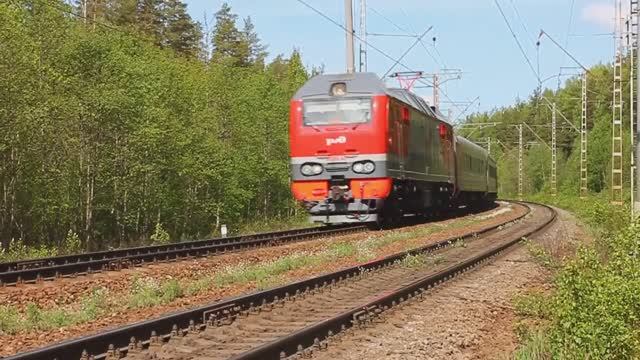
{"points": [[363, 152]]}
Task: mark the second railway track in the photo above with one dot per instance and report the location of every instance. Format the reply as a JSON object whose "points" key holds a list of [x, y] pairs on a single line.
{"points": [[293, 320], [31, 271], [48, 269]]}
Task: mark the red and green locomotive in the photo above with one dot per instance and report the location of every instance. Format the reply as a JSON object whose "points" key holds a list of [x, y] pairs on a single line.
{"points": [[364, 152]]}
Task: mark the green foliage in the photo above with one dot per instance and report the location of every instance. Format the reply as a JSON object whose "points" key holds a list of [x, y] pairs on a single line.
{"points": [[35, 318], [603, 218], [18, 250], [10, 321], [536, 347], [109, 132], [594, 312], [148, 292], [72, 243], [459, 243], [342, 249], [160, 236], [541, 255], [413, 261], [198, 286], [164, 22], [534, 304], [260, 272]]}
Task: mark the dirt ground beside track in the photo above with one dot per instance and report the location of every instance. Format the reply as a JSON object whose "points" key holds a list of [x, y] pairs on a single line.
{"points": [[118, 284], [469, 318]]}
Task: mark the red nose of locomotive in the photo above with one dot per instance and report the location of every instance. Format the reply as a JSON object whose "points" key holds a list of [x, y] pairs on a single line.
{"points": [[338, 151]]}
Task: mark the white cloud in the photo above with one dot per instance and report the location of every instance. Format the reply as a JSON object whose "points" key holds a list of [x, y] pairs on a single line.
{"points": [[602, 14]]}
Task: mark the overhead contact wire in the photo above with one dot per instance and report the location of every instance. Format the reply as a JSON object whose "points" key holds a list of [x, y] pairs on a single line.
{"points": [[515, 37]]}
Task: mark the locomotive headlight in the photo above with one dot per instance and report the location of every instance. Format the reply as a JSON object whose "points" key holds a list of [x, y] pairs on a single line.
{"points": [[311, 169], [307, 169], [369, 167], [364, 167]]}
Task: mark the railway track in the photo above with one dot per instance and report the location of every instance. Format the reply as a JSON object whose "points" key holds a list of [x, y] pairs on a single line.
{"points": [[47, 269], [293, 320]]}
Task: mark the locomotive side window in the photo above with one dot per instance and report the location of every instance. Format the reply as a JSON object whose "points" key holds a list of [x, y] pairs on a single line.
{"points": [[343, 111]]}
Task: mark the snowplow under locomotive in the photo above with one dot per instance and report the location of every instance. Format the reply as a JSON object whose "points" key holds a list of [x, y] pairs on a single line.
{"points": [[364, 152]]}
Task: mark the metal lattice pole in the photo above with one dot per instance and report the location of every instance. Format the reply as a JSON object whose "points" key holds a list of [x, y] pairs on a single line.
{"points": [[584, 181], [632, 36], [363, 35], [520, 159], [436, 91], [635, 30], [554, 153], [616, 133]]}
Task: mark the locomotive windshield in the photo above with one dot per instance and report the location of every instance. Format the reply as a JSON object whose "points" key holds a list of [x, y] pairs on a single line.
{"points": [[343, 111]]}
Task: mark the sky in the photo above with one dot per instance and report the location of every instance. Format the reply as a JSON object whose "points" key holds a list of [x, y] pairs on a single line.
{"points": [[471, 35]]}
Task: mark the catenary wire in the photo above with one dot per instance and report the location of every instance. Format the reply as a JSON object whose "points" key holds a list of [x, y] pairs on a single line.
{"points": [[406, 32], [522, 22], [375, 48], [526, 57]]}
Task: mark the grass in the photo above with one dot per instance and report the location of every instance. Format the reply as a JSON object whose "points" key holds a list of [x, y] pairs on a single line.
{"points": [[148, 292], [459, 243], [532, 304], [541, 255], [536, 347], [415, 261], [242, 274], [35, 318]]}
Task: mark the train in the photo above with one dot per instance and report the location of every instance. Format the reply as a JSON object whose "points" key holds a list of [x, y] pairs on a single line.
{"points": [[361, 151]]}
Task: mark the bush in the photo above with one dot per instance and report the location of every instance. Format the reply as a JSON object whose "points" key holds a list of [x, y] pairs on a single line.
{"points": [[594, 312], [18, 250], [596, 309], [72, 243], [160, 236], [10, 321]]}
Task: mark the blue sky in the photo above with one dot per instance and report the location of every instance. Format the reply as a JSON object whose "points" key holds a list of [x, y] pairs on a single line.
{"points": [[471, 35]]}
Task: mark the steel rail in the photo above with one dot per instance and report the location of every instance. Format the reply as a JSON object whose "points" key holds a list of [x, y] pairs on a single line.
{"points": [[51, 268], [35, 270], [304, 341], [117, 342]]}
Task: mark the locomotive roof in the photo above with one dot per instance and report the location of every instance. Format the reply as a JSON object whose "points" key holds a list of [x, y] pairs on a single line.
{"points": [[359, 84]]}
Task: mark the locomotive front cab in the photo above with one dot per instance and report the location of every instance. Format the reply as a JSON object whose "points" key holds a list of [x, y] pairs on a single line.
{"points": [[338, 150]]}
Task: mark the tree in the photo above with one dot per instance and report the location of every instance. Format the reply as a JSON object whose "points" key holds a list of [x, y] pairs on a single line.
{"points": [[150, 19], [92, 10], [106, 136], [257, 51], [229, 44], [122, 12], [181, 33]]}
